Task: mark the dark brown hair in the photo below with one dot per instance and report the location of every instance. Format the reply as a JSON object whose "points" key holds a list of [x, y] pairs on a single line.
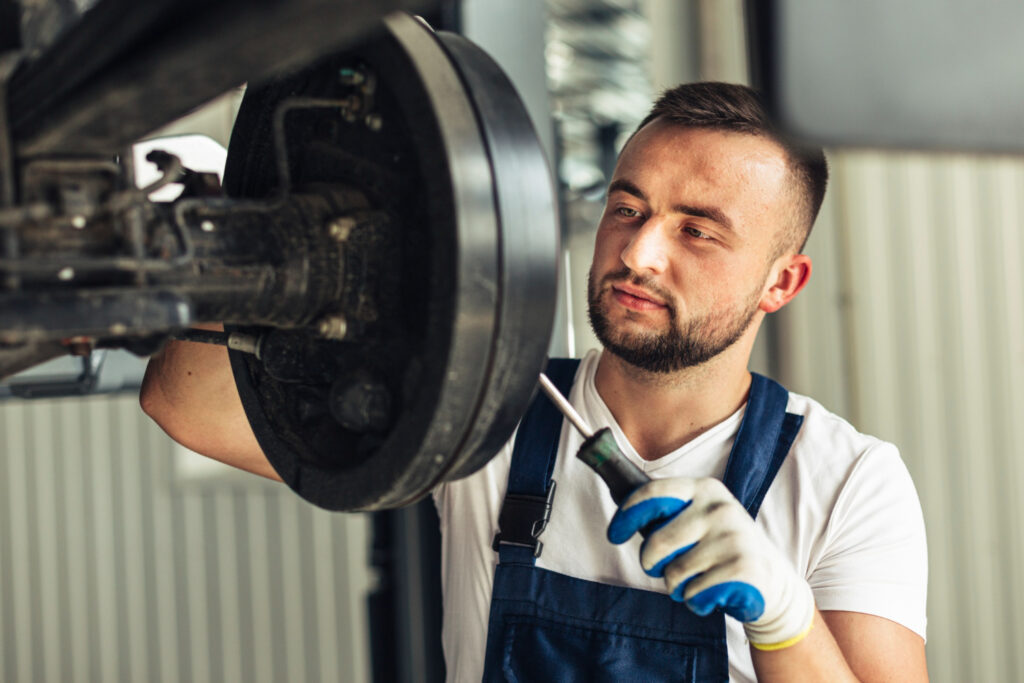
{"points": [[737, 108]]}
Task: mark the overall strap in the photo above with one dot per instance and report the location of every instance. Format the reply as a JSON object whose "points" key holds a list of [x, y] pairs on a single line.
{"points": [[527, 505], [762, 443]]}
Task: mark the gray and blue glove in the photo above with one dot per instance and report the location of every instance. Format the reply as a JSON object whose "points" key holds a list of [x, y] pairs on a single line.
{"points": [[713, 556]]}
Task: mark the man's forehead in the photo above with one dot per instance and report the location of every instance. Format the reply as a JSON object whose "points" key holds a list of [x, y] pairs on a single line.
{"points": [[718, 157], [731, 177], [730, 151]]}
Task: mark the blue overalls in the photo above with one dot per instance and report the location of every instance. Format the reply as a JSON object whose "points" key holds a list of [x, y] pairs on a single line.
{"points": [[546, 626]]}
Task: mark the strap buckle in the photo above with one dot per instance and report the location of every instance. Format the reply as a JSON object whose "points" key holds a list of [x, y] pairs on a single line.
{"points": [[523, 519]]}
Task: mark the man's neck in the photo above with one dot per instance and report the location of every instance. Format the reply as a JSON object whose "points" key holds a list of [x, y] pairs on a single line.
{"points": [[661, 412]]}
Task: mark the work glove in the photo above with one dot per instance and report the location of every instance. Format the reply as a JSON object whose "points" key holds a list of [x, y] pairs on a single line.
{"points": [[713, 556]]}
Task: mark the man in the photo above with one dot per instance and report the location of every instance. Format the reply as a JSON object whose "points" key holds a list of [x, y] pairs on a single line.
{"points": [[791, 545]]}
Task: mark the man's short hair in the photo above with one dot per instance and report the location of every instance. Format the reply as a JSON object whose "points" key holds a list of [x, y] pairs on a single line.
{"points": [[737, 108]]}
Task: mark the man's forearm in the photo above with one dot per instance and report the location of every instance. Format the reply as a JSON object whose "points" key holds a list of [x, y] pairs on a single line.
{"points": [[815, 658], [847, 646], [189, 390]]}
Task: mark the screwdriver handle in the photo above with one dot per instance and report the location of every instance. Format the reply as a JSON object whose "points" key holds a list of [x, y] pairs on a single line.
{"points": [[600, 452], [603, 456]]}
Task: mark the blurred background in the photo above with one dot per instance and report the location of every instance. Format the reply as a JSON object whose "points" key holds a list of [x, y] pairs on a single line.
{"points": [[125, 557]]}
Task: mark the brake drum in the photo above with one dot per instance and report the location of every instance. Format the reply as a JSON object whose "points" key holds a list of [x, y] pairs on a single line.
{"points": [[419, 370]]}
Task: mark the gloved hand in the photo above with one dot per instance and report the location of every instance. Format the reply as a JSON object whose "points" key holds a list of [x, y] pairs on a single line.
{"points": [[712, 555]]}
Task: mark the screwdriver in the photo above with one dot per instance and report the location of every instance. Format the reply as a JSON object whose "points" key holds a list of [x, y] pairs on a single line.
{"points": [[599, 450]]}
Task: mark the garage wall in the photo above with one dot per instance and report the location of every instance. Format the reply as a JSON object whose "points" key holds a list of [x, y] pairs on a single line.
{"points": [[925, 285], [119, 562]]}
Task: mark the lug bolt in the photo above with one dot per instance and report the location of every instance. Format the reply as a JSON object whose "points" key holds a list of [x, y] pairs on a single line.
{"points": [[374, 122], [340, 228], [333, 327]]}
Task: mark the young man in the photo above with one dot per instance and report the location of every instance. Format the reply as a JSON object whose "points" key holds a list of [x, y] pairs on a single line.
{"points": [[792, 546]]}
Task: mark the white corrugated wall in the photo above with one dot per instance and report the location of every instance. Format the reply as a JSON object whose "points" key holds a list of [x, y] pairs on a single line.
{"points": [[115, 567], [914, 329]]}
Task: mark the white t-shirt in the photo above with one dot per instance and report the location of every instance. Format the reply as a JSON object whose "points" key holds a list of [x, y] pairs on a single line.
{"points": [[842, 506]]}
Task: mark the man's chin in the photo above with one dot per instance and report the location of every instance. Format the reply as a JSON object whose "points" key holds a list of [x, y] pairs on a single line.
{"points": [[632, 341], [642, 358], [643, 349]]}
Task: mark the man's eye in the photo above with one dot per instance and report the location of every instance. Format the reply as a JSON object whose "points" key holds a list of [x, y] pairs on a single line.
{"points": [[628, 212], [694, 232]]}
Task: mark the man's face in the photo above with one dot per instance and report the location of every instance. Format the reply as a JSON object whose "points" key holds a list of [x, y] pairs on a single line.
{"points": [[686, 243]]}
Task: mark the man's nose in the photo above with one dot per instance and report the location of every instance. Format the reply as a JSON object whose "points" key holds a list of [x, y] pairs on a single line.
{"points": [[646, 250]]}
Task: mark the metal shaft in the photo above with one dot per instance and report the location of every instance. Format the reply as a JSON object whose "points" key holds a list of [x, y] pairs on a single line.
{"points": [[565, 407]]}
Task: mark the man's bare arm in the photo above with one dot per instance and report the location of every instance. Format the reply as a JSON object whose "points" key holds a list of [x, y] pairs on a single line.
{"points": [[878, 649], [847, 646], [190, 392]]}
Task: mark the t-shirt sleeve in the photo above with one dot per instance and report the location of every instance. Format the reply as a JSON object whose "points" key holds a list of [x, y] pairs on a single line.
{"points": [[875, 557]]}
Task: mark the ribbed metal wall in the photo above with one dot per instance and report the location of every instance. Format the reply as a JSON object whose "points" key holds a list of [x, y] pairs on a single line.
{"points": [[113, 567], [914, 328]]}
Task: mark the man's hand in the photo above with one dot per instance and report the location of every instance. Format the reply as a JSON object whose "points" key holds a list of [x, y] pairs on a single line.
{"points": [[713, 556]]}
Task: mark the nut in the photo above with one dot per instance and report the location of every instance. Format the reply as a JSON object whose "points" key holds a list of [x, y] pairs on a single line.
{"points": [[333, 327]]}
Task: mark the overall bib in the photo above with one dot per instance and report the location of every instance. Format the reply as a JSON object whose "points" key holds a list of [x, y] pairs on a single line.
{"points": [[546, 626]]}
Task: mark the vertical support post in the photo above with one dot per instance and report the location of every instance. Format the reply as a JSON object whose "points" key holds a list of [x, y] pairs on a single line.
{"points": [[8, 62]]}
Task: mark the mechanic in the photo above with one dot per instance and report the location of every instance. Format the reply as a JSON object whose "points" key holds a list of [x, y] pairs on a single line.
{"points": [[792, 546]]}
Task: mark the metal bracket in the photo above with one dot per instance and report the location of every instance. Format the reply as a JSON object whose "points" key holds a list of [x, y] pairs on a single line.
{"points": [[81, 385]]}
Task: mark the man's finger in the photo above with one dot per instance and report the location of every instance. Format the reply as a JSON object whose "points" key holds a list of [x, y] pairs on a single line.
{"points": [[651, 512], [738, 599]]}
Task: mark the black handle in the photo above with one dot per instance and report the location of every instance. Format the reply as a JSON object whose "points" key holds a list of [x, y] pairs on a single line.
{"points": [[603, 456]]}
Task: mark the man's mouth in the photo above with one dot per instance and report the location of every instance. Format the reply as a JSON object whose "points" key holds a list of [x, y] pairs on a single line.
{"points": [[636, 299]]}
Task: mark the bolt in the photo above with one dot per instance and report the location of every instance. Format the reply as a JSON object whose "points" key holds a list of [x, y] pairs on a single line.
{"points": [[350, 76], [374, 122], [117, 329], [333, 327], [361, 404], [340, 228], [78, 222], [66, 273], [246, 343], [350, 107], [207, 226]]}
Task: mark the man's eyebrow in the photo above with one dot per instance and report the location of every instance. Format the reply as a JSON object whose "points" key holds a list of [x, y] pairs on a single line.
{"points": [[620, 185], [709, 212]]}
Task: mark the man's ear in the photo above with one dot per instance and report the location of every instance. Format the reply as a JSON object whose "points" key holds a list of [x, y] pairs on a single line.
{"points": [[789, 274]]}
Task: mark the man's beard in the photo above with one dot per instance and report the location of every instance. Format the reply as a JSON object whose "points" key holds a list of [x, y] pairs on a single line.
{"points": [[680, 346]]}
